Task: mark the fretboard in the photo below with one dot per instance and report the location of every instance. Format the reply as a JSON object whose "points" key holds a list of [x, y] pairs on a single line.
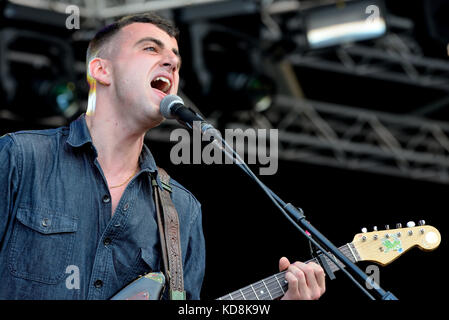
{"points": [[275, 286]]}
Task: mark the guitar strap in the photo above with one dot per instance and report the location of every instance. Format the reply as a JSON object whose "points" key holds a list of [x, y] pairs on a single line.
{"points": [[168, 224]]}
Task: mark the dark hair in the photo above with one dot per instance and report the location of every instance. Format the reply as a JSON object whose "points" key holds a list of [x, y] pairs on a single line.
{"points": [[105, 34]]}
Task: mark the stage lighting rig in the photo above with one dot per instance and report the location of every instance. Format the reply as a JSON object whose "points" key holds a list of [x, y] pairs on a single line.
{"points": [[238, 81], [36, 64], [344, 22], [226, 78], [232, 65]]}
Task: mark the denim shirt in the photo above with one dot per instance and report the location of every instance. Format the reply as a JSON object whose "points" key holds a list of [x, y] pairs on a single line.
{"points": [[58, 239]]}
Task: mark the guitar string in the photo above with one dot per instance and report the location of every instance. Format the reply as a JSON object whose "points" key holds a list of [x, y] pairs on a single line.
{"points": [[273, 285], [273, 281], [253, 289]]}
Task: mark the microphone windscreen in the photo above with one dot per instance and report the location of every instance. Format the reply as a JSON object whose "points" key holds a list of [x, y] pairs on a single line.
{"points": [[167, 103]]}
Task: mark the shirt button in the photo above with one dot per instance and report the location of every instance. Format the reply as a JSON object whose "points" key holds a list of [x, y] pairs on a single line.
{"points": [[98, 284], [45, 222], [106, 198], [126, 206], [107, 241]]}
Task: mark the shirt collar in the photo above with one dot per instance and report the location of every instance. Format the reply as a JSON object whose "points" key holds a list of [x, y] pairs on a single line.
{"points": [[79, 132], [146, 160], [79, 135]]}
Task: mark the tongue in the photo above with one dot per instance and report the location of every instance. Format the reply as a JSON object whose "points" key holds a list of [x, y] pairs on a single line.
{"points": [[159, 85]]}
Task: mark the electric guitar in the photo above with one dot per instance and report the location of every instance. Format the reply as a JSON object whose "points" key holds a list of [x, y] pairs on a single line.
{"points": [[381, 247]]}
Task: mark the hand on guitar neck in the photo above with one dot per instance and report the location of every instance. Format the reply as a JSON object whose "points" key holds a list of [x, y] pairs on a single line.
{"points": [[305, 281]]}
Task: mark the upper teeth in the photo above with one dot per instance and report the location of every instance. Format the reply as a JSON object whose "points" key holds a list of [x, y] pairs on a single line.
{"points": [[163, 79]]}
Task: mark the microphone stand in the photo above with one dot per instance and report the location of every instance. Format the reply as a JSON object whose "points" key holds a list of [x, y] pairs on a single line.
{"points": [[296, 217]]}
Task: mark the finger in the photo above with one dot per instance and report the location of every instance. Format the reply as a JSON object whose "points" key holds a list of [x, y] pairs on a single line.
{"points": [[292, 282], [302, 287], [283, 263], [320, 276], [311, 285]]}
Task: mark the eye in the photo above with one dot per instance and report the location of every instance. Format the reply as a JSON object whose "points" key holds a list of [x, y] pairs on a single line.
{"points": [[150, 48]]}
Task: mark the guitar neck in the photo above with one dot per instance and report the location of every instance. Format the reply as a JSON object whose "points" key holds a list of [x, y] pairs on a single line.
{"points": [[275, 286]]}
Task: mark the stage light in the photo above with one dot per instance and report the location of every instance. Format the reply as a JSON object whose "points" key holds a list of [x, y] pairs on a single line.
{"points": [[229, 69], [254, 91], [344, 22], [37, 76]]}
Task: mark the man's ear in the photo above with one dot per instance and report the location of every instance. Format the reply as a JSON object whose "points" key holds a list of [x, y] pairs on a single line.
{"points": [[99, 69]]}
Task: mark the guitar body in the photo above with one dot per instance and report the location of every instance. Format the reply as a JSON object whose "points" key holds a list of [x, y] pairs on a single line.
{"points": [[147, 287]]}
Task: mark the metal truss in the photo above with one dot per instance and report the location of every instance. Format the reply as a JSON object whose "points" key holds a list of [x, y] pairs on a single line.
{"points": [[107, 9], [395, 57], [371, 62], [351, 138]]}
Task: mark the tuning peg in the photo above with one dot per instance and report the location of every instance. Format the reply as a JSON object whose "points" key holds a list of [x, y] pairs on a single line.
{"points": [[421, 222], [364, 230], [411, 224], [375, 228], [387, 227], [398, 225]]}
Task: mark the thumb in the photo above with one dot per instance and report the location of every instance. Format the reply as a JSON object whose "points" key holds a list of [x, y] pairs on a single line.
{"points": [[283, 263]]}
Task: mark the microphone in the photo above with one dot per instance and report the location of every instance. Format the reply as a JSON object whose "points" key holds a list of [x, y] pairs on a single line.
{"points": [[172, 107]]}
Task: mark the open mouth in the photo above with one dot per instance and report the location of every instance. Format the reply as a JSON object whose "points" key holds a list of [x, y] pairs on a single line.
{"points": [[162, 84]]}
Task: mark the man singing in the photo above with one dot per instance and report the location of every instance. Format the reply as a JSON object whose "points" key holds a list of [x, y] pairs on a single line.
{"points": [[80, 198]]}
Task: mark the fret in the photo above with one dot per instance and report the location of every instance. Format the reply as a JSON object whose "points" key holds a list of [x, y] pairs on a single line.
{"points": [[329, 262], [249, 293], [280, 286], [255, 292], [260, 289], [238, 295], [352, 252], [314, 260], [268, 290], [283, 281], [274, 287], [332, 265]]}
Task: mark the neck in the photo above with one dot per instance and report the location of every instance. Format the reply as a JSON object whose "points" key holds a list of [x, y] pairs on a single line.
{"points": [[118, 146]]}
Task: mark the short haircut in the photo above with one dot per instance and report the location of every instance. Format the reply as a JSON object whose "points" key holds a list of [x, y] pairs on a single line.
{"points": [[103, 36]]}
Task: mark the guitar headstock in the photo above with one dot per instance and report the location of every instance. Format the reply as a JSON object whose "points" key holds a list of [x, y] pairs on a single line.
{"points": [[385, 246]]}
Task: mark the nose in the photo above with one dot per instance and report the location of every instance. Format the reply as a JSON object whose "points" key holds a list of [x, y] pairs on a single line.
{"points": [[170, 61]]}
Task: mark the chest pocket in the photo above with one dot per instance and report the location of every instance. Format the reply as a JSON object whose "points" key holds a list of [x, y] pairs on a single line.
{"points": [[41, 245]]}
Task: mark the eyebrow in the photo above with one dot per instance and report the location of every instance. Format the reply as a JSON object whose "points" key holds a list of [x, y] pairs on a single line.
{"points": [[160, 44]]}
